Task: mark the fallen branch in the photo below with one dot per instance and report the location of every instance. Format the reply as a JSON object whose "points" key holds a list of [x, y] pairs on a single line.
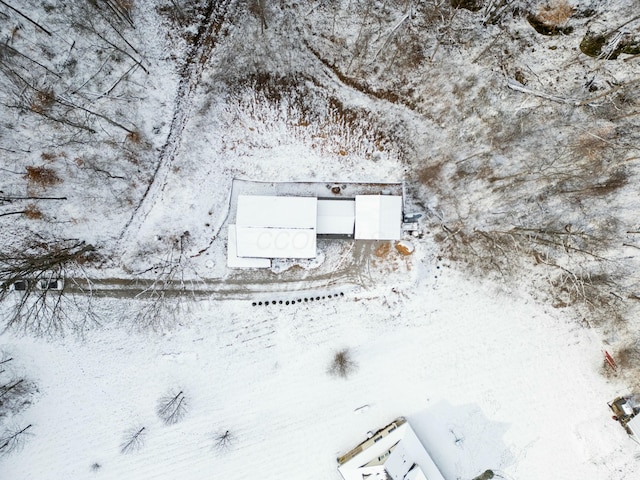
{"points": [[67, 103], [11, 199], [515, 85], [392, 34], [17, 52], [609, 92], [27, 18]]}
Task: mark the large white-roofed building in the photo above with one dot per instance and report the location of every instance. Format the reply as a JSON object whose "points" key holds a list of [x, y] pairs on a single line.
{"points": [[276, 227], [279, 226]]}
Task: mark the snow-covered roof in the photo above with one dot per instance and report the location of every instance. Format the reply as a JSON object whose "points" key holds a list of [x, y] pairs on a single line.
{"points": [[271, 211], [634, 426], [378, 217], [265, 242], [394, 452], [276, 226], [234, 261], [336, 217]]}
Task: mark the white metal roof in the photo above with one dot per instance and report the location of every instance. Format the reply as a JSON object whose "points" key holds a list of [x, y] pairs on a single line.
{"points": [[378, 217], [270, 226], [634, 426], [234, 261], [406, 450], [415, 474], [336, 217], [276, 242], [276, 227], [276, 212]]}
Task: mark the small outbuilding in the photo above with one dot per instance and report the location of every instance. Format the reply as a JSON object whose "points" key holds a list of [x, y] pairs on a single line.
{"points": [[627, 412], [378, 217]]}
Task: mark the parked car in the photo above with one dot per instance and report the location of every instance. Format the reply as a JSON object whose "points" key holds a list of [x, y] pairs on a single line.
{"points": [[51, 284], [19, 285]]}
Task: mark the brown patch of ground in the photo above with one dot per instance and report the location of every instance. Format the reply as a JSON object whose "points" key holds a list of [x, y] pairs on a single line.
{"points": [[382, 250]]}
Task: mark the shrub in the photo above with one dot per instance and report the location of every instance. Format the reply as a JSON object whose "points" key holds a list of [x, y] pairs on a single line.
{"points": [[556, 13], [42, 101], [342, 365], [42, 176], [32, 212]]}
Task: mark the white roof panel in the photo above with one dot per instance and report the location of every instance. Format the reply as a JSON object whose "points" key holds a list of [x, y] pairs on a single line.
{"points": [[336, 217], [378, 217], [634, 426], [276, 242], [407, 450], [415, 474], [276, 212], [234, 261]]}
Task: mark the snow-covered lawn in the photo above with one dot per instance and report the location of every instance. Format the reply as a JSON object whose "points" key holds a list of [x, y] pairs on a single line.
{"points": [[488, 379], [488, 373]]}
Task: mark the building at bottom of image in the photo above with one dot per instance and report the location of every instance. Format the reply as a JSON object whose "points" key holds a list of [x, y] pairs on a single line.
{"points": [[392, 453]]}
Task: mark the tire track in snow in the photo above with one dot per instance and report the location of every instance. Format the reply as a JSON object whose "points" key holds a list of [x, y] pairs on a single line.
{"points": [[215, 16], [216, 289]]}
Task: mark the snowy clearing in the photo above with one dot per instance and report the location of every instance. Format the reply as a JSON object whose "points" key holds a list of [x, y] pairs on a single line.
{"points": [[129, 129], [488, 380]]}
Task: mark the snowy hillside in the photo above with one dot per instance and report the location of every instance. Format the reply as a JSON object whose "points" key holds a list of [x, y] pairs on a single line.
{"points": [[125, 126]]}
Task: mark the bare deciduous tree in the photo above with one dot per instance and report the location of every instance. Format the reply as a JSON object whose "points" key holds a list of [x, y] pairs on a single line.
{"points": [[223, 440], [33, 290], [13, 387], [15, 395], [164, 297], [172, 408], [13, 439], [133, 440]]}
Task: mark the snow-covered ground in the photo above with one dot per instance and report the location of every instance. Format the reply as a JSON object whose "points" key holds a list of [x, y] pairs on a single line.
{"points": [[489, 380], [479, 337]]}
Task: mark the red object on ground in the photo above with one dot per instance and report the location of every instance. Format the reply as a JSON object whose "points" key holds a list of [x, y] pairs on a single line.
{"points": [[610, 361]]}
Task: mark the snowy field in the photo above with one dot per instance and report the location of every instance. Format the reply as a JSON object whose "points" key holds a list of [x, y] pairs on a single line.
{"points": [[124, 138], [488, 379]]}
